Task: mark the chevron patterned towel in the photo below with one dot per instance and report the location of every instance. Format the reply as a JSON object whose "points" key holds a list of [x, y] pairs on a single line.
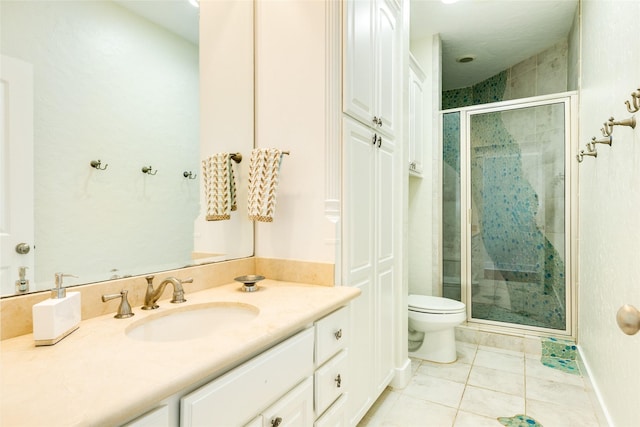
{"points": [[263, 182], [219, 186]]}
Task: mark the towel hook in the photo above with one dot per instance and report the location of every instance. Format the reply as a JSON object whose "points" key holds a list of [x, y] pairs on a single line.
{"points": [[604, 140], [148, 169], [96, 164], [236, 157], [582, 153], [635, 98], [607, 130], [189, 175]]}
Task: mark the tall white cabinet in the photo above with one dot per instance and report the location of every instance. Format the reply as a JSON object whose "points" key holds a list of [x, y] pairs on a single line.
{"points": [[371, 189]]}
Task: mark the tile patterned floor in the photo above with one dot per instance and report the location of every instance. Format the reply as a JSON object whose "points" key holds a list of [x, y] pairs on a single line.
{"points": [[484, 384]]}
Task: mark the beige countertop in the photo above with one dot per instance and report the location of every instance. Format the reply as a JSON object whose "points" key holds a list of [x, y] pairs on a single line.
{"points": [[99, 376]]}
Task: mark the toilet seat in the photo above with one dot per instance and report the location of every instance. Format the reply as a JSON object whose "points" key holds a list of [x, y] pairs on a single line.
{"points": [[435, 305]]}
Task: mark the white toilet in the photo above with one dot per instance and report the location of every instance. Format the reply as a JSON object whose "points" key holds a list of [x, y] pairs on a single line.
{"points": [[432, 320]]}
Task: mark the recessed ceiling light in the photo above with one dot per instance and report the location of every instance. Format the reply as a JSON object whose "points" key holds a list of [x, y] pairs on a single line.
{"points": [[466, 58]]}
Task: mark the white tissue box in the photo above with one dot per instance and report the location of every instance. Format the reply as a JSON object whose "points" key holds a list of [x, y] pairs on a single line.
{"points": [[54, 319]]}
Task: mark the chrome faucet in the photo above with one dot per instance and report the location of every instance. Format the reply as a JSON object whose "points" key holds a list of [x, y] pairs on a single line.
{"points": [[152, 295]]}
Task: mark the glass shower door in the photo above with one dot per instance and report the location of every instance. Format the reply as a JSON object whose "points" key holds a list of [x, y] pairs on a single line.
{"points": [[515, 240]]}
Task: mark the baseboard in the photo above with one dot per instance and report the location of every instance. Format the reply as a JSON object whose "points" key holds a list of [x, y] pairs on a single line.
{"points": [[594, 392], [402, 376]]}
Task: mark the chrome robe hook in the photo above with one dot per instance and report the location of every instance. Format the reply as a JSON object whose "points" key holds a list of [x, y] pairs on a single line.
{"points": [[635, 100], [96, 164], [607, 129], [148, 169], [189, 175], [583, 153], [604, 140]]}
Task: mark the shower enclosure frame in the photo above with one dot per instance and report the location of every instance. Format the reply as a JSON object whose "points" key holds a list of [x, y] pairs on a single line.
{"points": [[570, 102]]}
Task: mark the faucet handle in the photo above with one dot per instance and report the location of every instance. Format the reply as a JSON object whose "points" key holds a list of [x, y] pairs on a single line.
{"points": [[178, 291], [124, 310]]}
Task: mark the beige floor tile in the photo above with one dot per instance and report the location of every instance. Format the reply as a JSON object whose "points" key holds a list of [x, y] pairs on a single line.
{"points": [[497, 380], [381, 406], [467, 419], [412, 412], [466, 352], [568, 395], [535, 368], [458, 372], [491, 403], [510, 362], [553, 415], [437, 390]]}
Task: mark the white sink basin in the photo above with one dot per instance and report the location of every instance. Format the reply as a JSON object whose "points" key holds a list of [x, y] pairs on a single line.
{"points": [[190, 322]]}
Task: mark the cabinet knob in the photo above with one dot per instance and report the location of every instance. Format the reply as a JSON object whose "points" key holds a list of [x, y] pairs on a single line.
{"points": [[276, 421], [338, 381], [338, 334], [24, 248], [377, 121]]}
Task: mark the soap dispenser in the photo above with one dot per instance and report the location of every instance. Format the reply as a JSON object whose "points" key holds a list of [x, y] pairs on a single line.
{"points": [[22, 284], [57, 317]]}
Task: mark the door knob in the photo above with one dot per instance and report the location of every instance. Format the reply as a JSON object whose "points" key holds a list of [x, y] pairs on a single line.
{"points": [[628, 319], [23, 248]]}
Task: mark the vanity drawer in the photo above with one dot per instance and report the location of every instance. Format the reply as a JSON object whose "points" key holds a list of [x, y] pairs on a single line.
{"points": [[330, 381], [332, 335], [336, 415], [237, 396]]}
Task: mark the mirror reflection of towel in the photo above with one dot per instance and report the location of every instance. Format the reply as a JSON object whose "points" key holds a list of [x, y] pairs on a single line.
{"points": [[219, 186], [263, 182]]}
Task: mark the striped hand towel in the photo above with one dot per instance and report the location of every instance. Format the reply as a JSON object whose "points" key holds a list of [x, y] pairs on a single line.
{"points": [[219, 186], [263, 182]]}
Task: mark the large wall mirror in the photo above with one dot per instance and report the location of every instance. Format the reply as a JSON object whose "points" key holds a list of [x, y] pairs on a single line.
{"points": [[117, 82]]}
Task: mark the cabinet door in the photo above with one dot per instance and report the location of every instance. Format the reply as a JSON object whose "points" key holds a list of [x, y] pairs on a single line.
{"points": [[158, 417], [294, 409], [237, 396], [358, 75], [359, 209], [385, 221], [387, 57]]}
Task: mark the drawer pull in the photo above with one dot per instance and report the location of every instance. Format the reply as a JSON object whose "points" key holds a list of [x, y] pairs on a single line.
{"points": [[276, 422], [338, 334], [338, 381]]}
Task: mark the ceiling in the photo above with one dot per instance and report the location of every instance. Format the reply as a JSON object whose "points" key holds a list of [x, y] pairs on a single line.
{"points": [[499, 33]]}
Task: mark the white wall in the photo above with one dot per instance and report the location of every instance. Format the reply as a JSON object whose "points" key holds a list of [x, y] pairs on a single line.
{"points": [[226, 111], [290, 115], [423, 237], [609, 207], [85, 217]]}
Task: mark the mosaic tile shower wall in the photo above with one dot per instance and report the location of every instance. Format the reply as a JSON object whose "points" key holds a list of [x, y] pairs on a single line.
{"points": [[512, 213], [517, 195]]}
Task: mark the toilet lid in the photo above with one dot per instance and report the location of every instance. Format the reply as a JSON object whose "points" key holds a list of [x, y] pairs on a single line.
{"points": [[429, 304]]}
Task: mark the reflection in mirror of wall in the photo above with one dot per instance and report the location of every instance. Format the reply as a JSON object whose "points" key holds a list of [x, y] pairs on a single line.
{"points": [[108, 85]]}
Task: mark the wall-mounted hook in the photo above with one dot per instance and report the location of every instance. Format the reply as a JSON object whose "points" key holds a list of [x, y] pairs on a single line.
{"points": [[635, 100], [582, 153], [148, 169], [189, 175], [97, 164], [236, 157], [604, 140], [607, 130]]}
